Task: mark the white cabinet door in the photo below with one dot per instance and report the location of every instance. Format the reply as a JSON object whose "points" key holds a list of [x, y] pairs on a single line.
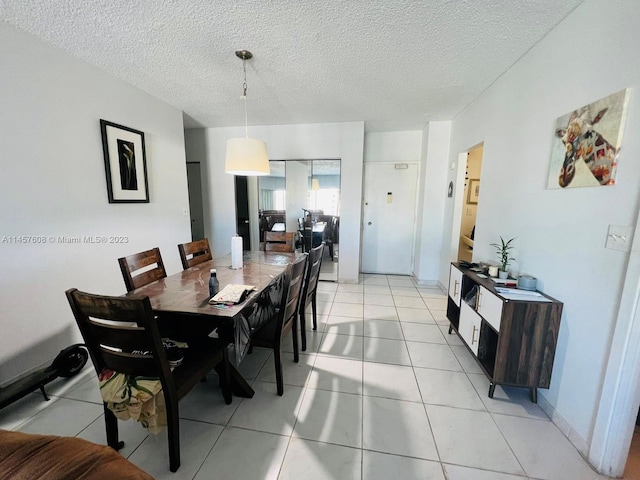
{"points": [[490, 307], [455, 284], [469, 328]]}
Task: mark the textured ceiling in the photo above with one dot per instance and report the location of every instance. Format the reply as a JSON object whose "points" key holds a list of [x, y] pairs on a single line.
{"points": [[394, 64]]}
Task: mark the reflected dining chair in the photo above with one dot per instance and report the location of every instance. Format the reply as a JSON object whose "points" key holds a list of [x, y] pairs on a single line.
{"points": [[309, 292], [131, 264], [331, 234], [279, 242], [122, 336], [284, 321], [194, 253]]}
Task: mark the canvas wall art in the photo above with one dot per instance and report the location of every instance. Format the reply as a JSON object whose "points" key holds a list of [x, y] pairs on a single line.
{"points": [[125, 163], [587, 142]]}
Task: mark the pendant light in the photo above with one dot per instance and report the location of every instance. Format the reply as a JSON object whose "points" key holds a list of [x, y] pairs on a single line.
{"points": [[246, 156]]}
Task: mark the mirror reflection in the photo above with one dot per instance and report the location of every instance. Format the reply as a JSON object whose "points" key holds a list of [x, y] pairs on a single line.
{"points": [[301, 199]]}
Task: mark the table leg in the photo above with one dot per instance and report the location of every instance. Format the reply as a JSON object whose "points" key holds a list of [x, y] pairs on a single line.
{"points": [[239, 385], [231, 381], [225, 376]]}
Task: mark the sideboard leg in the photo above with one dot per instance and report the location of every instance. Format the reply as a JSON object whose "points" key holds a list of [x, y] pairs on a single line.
{"points": [[450, 329], [492, 388], [534, 394]]}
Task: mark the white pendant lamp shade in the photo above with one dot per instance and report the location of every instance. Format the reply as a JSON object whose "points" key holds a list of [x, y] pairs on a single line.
{"points": [[247, 156]]}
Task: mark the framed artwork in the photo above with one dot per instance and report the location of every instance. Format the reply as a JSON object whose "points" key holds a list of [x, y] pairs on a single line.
{"points": [[125, 163], [587, 142], [473, 191]]}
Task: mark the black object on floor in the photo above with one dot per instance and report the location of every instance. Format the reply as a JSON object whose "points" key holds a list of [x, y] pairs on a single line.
{"points": [[68, 363]]}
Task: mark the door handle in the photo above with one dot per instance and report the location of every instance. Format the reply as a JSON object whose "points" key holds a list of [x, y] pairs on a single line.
{"points": [[455, 287], [473, 335], [369, 223]]}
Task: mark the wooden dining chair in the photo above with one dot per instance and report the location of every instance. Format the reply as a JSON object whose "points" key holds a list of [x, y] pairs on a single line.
{"points": [[270, 334], [309, 292], [131, 264], [136, 349], [194, 253], [279, 242]]}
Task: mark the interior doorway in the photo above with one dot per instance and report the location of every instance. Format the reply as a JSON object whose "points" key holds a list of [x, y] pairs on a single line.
{"points": [[470, 201], [194, 184], [242, 211]]}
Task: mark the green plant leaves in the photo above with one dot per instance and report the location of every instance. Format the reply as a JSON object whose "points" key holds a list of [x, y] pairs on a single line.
{"points": [[503, 251]]}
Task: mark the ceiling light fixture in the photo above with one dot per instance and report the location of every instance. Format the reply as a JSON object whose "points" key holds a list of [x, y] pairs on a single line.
{"points": [[246, 156]]}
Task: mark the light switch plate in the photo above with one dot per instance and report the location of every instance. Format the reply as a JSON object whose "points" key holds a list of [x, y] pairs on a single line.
{"points": [[619, 237]]}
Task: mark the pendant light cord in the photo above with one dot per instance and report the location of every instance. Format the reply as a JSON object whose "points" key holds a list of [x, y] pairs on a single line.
{"points": [[244, 97]]}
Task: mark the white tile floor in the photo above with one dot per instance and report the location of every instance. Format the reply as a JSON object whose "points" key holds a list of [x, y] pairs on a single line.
{"points": [[382, 392]]}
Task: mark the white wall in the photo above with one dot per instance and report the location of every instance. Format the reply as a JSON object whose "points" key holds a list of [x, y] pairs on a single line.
{"points": [[403, 146], [53, 183], [286, 142], [560, 233], [432, 198]]}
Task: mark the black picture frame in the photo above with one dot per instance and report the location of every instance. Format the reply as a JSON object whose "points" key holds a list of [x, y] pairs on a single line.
{"points": [[125, 163], [474, 191]]}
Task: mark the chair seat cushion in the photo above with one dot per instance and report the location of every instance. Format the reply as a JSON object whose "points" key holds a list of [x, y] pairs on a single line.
{"points": [[27, 456]]}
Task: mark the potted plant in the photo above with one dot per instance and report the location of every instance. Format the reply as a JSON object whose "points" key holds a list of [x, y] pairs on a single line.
{"points": [[503, 250]]}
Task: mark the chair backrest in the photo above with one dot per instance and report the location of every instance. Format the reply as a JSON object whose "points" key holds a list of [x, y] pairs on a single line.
{"points": [[129, 265], [194, 253], [332, 228], [290, 303], [312, 275], [279, 242], [121, 335]]}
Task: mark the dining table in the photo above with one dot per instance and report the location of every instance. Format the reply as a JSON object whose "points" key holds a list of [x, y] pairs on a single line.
{"points": [[181, 301]]}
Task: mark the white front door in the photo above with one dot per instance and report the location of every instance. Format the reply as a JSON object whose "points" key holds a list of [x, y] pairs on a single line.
{"points": [[389, 217]]}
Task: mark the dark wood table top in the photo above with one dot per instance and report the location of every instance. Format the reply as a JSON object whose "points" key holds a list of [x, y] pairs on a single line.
{"points": [[188, 291]]}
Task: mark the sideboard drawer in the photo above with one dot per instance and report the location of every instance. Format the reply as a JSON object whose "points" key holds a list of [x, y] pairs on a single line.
{"points": [[455, 284], [490, 307], [469, 328]]}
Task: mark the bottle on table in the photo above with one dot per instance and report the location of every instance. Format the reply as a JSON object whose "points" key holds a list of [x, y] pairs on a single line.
{"points": [[213, 283]]}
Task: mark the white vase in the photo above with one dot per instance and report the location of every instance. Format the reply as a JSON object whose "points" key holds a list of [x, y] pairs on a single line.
{"points": [[503, 274]]}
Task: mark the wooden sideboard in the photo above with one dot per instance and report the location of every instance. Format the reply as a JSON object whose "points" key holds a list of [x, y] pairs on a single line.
{"points": [[514, 341]]}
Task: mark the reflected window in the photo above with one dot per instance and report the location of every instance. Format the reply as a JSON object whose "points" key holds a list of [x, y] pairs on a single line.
{"points": [[325, 199]]}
